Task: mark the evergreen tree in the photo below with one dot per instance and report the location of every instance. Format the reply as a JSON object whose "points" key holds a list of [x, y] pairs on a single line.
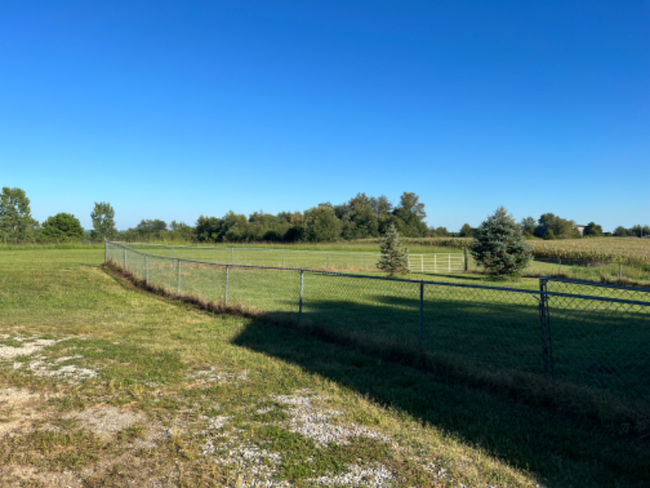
{"points": [[393, 258], [62, 227], [499, 245], [103, 217]]}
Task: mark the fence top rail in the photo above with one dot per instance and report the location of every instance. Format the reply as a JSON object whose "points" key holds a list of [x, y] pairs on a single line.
{"points": [[591, 283], [535, 293], [186, 246]]}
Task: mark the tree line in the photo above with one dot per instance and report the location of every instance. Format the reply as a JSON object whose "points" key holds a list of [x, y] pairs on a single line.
{"points": [[360, 217]]}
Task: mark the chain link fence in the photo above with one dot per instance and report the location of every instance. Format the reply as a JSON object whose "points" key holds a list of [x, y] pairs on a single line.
{"points": [[590, 334], [291, 258]]}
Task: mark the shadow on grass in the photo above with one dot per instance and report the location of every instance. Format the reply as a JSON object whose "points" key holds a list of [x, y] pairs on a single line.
{"points": [[560, 451]]}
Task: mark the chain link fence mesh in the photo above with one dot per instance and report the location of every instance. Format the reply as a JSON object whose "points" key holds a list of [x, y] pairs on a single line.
{"points": [[587, 333]]}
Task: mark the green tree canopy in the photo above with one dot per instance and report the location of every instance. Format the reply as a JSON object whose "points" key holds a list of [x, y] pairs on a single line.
{"points": [[561, 228], [393, 257], [16, 222], [320, 224], [361, 221], [410, 215], [499, 245], [620, 231], [593, 230], [466, 231], [528, 226], [62, 227], [103, 218]]}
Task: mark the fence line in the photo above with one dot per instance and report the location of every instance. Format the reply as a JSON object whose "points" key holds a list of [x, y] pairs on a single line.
{"points": [[425, 263], [588, 333]]}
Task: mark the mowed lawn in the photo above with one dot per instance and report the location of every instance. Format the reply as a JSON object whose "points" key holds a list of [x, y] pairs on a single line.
{"points": [[596, 344], [102, 384]]}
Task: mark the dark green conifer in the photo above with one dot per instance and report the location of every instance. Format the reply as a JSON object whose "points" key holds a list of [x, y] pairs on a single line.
{"points": [[393, 258]]}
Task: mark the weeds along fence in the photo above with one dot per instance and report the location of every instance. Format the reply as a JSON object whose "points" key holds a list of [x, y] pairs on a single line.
{"points": [[592, 270], [595, 335], [418, 263]]}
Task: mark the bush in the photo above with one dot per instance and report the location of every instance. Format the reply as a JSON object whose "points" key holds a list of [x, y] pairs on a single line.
{"points": [[62, 227], [499, 246]]}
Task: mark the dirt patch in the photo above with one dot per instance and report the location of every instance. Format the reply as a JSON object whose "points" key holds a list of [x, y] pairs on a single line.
{"points": [[372, 476], [18, 409], [28, 348], [30, 476], [319, 425], [108, 421]]}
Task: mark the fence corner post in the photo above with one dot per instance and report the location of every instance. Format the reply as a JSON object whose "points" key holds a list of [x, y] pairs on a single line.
{"points": [[545, 326], [225, 298], [302, 282], [179, 276], [421, 333]]}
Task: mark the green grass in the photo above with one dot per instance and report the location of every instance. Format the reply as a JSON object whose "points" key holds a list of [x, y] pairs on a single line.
{"points": [[595, 344], [148, 352]]}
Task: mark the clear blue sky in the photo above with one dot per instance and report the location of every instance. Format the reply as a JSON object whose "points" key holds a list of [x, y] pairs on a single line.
{"points": [[171, 110]]}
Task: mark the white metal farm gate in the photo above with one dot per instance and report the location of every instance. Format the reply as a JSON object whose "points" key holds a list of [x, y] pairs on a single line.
{"points": [[436, 263]]}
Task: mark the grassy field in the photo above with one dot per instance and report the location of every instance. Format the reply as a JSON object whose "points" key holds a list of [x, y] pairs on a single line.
{"points": [[104, 385], [361, 257], [595, 344]]}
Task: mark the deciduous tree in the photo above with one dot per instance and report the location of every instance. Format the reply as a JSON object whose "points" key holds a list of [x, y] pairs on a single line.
{"points": [[16, 222], [103, 218]]}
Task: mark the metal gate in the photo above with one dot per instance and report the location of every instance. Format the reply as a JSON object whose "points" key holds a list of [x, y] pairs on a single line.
{"points": [[436, 263]]}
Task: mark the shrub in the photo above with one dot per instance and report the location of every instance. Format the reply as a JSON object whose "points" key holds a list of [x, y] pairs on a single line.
{"points": [[62, 227]]}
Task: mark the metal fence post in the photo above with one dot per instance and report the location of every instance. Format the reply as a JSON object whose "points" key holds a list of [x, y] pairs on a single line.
{"points": [[302, 282], [620, 271], [466, 264], [179, 276], [421, 334], [173, 251], [559, 271], [146, 269], [422, 262], [105, 250], [449, 257], [227, 279], [545, 324]]}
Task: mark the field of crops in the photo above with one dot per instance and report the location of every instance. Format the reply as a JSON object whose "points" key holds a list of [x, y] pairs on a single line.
{"points": [[625, 249]]}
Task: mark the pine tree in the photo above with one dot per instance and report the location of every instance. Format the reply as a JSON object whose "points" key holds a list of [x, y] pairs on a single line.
{"points": [[393, 259], [499, 246]]}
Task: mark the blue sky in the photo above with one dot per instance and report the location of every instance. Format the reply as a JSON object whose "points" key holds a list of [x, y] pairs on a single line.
{"points": [[172, 110]]}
